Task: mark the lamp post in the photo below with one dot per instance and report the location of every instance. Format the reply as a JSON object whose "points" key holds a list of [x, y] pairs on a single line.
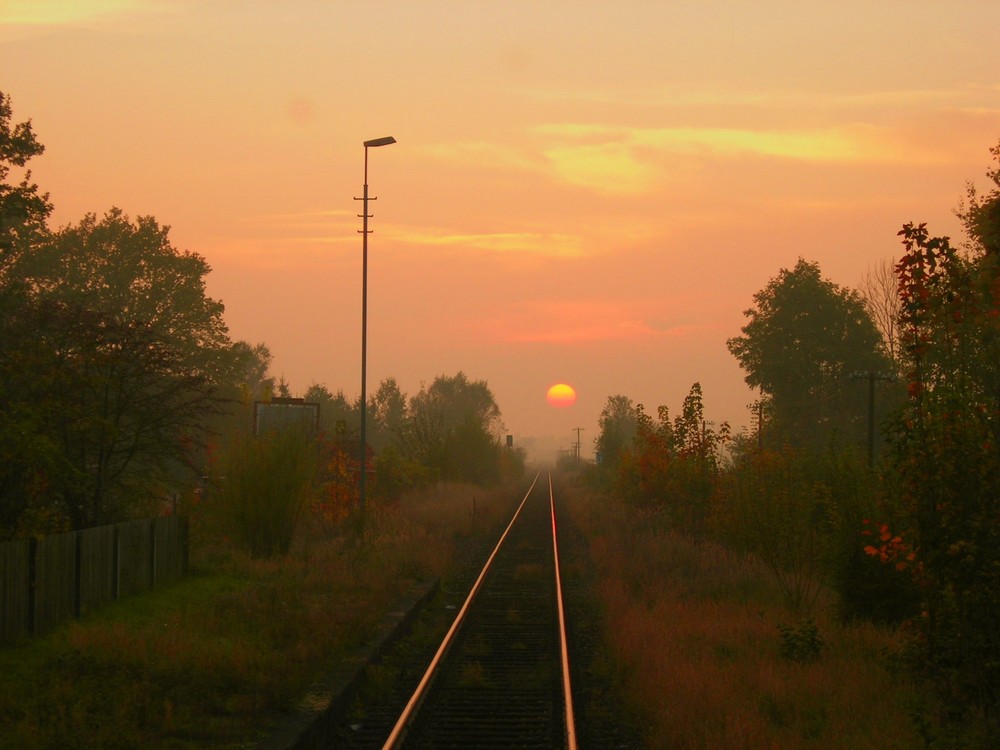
{"points": [[364, 317]]}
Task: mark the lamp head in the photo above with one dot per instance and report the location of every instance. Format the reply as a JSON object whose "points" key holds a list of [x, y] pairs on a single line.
{"points": [[380, 141]]}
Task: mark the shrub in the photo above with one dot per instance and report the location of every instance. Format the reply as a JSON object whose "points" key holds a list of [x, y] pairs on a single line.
{"points": [[264, 487]]}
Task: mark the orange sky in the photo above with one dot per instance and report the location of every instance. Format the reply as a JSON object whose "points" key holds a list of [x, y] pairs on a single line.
{"points": [[581, 192]]}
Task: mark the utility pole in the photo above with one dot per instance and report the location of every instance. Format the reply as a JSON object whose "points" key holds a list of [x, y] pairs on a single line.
{"points": [[577, 444], [872, 377]]}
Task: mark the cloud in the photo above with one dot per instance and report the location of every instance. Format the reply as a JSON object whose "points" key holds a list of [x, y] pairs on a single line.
{"points": [[859, 143], [619, 160], [536, 243], [483, 154], [560, 322], [612, 168], [56, 12], [674, 98]]}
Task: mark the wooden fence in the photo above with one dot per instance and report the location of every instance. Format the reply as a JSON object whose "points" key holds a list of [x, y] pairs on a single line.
{"points": [[44, 582]]}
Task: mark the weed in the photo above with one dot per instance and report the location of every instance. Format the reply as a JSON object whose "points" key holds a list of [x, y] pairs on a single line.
{"points": [[801, 642]]}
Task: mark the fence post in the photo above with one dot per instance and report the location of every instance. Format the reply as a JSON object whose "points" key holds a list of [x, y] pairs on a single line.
{"points": [[32, 582], [152, 553], [116, 556], [78, 576]]}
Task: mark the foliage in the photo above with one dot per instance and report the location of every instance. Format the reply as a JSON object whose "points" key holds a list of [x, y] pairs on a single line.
{"points": [[801, 642], [674, 465], [690, 628], [947, 457], [387, 415], [453, 429], [803, 341], [250, 371], [23, 209], [779, 508], [337, 418], [265, 486], [618, 427], [112, 365], [212, 660]]}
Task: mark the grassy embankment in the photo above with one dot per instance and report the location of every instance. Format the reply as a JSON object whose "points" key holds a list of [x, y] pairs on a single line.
{"points": [[210, 661], [694, 643]]}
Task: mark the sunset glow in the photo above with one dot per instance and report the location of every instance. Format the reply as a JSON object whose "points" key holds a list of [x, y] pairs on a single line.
{"points": [[561, 395], [592, 189]]}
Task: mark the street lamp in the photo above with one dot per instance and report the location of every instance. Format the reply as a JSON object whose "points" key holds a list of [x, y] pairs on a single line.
{"points": [[364, 316]]}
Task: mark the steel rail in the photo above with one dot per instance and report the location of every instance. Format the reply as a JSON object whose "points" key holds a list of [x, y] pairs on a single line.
{"points": [[399, 730], [563, 644]]}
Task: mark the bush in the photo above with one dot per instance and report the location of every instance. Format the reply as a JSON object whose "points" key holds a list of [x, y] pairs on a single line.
{"points": [[264, 488]]}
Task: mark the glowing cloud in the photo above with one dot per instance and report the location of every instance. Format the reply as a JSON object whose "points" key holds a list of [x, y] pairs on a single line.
{"points": [[541, 243], [609, 168], [618, 146], [53, 12]]}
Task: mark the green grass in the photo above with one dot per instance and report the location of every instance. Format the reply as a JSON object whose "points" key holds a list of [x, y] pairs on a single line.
{"points": [[213, 660]]}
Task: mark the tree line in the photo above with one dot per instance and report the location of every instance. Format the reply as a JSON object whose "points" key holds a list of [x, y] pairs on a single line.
{"points": [[872, 466], [121, 386]]}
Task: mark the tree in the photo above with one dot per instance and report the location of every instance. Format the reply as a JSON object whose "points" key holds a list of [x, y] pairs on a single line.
{"points": [[879, 290], [251, 363], [387, 415], [947, 458], [673, 464], [804, 340], [24, 445], [124, 365], [338, 419], [23, 209], [618, 424], [454, 429]]}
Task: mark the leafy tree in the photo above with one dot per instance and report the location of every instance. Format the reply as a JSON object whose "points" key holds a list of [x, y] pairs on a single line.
{"points": [[387, 414], [947, 457], [23, 209], [804, 340], [674, 464], [251, 363], [24, 446], [123, 366], [618, 424], [338, 419], [454, 429]]}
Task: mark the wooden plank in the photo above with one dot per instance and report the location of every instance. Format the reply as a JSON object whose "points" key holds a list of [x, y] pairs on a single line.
{"points": [[15, 583], [135, 557], [167, 559], [55, 580], [97, 567]]}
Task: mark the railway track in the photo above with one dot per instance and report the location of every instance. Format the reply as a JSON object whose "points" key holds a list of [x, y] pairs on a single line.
{"points": [[498, 679], [501, 677]]}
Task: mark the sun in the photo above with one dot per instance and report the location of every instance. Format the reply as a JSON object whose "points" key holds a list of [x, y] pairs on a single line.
{"points": [[561, 395]]}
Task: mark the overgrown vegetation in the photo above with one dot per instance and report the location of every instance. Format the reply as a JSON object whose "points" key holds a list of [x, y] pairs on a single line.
{"points": [[212, 661], [707, 655], [265, 485], [902, 524]]}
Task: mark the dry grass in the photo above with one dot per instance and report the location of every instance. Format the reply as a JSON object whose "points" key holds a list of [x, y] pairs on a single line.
{"points": [[694, 634], [210, 661]]}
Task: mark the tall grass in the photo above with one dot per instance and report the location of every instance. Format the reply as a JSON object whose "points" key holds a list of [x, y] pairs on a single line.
{"points": [[694, 630], [212, 661]]}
